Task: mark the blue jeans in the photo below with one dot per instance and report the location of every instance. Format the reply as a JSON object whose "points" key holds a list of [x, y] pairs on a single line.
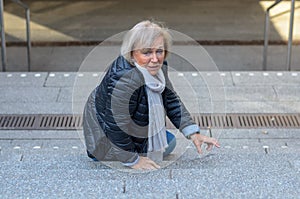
{"points": [[171, 142]]}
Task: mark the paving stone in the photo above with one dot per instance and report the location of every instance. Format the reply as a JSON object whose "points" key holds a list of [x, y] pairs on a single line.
{"points": [[49, 160], [258, 133], [292, 143], [22, 79], [262, 107], [5, 143], [46, 147], [200, 79], [25, 144], [201, 93], [43, 185], [71, 79], [248, 163], [260, 93], [239, 143], [192, 178], [9, 159], [245, 93], [265, 78], [194, 93], [40, 134], [226, 183], [60, 79], [278, 143], [25, 95], [66, 144], [260, 146], [164, 187], [288, 93], [296, 165], [91, 79], [75, 94], [38, 108], [207, 106]]}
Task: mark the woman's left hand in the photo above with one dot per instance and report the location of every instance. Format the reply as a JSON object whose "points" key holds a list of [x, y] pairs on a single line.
{"points": [[199, 139]]}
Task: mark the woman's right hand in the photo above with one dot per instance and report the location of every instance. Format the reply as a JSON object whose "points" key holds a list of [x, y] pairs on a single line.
{"points": [[145, 163]]}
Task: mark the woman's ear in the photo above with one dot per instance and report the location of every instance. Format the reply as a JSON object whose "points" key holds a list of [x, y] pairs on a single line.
{"points": [[132, 60], [166, 54]]}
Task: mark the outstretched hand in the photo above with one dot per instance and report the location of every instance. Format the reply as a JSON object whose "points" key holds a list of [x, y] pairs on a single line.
{"points": [[199, 139], [145, 163]]}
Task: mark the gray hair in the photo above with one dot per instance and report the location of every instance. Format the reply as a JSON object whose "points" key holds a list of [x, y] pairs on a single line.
{"points": [[142, 35]]}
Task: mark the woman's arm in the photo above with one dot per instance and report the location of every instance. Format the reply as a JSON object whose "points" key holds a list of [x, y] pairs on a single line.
{"points": [[175, 109], [181, 118]]}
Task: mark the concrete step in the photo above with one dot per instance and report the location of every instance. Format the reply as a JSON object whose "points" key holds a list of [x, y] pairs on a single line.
{"points": [[98, 58], [204, 92], [277, 178]]}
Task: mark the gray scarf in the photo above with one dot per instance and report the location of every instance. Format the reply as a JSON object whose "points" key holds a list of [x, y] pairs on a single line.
{"points": [[155, 85]]}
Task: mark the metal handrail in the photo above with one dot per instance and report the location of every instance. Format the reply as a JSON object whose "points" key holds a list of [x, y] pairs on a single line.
{"points": [[27, 15], [3, 42], [266, 34]]}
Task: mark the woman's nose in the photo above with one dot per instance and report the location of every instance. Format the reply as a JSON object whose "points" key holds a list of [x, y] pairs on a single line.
{"points": [[154, 57]]}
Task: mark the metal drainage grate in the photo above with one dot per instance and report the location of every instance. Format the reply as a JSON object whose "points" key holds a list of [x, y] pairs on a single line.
{"points": [[60, 121], [40, 122], [246, 121], [17, 121], [73, 122]]}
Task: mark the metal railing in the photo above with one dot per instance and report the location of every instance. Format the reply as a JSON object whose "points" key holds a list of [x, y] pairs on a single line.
{"points": [[3, 42], [28, 39], [290, 38]]}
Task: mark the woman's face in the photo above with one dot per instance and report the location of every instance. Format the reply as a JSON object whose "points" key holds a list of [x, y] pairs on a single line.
{"points": [[151, 58]]}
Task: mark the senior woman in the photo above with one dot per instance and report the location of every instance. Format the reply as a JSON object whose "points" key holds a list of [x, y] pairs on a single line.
{"points": [[124, 117]]}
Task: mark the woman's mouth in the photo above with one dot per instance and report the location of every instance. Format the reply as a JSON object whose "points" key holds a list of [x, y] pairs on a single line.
{"points": [[153, 67]]}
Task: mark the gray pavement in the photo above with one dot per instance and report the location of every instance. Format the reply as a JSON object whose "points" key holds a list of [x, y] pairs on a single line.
{"points": [[202, 92], [241, 168], [252, 163]]}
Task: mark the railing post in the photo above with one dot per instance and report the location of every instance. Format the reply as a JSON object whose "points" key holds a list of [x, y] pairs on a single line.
{"points": [[28, 38], [27, 16], [3, 41], [290, 42], [266, 41], [290, 39]]}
